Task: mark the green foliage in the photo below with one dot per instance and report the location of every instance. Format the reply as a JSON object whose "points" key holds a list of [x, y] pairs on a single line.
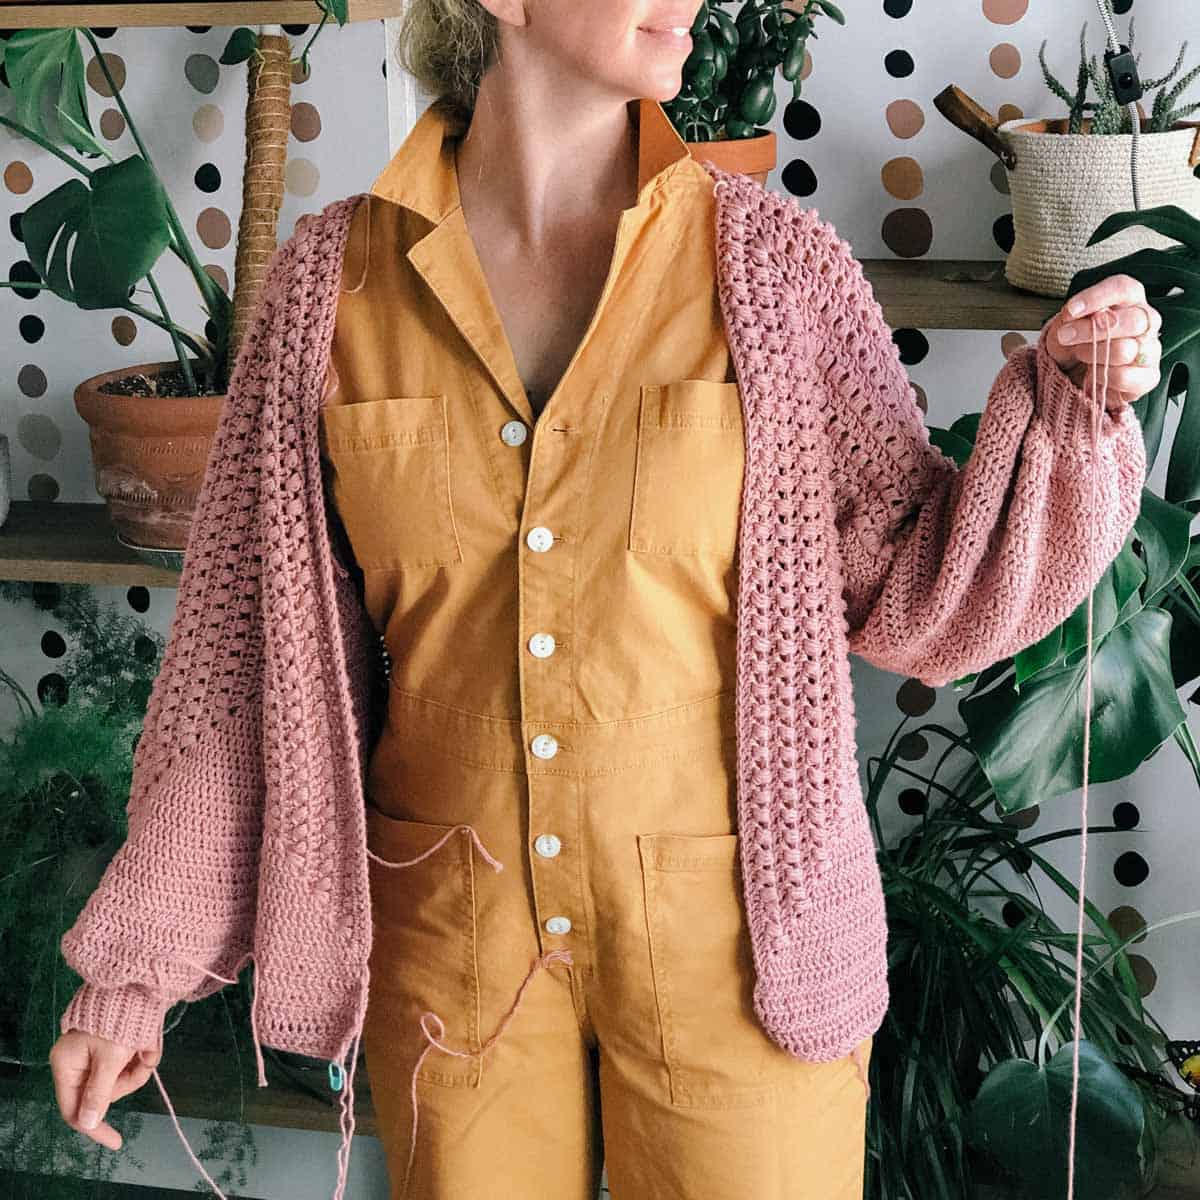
{"points": [[976, 967], [1109, 116], [729, 78]]}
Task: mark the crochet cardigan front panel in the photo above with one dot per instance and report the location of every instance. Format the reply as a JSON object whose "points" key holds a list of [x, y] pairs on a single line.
{"points": [[246, 817]]}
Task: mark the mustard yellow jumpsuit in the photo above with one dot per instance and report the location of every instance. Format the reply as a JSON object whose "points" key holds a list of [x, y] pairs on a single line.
{"points": [[557, 592]]}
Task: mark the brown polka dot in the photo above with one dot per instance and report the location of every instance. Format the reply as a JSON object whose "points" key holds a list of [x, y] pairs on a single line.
{"points": [[306, 122], [213, 227], [1005, 60], [18, 178], [903, 178], [42, 487], [31, 379], [1010, 342], [914, 698], [1125, 919], [922, 398], [1005, 12], [112, 123], [124, 331], [95, 76], [1010, 112], [806, 70], [1144, 973], [301, 176], [208, 122], [299, 74], [908, 232], [218, 274], [905, 118], [1024, 818], [39, 435]]}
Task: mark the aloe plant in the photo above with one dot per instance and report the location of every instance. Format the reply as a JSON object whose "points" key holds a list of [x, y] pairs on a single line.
{"points": [[1108, 114]]}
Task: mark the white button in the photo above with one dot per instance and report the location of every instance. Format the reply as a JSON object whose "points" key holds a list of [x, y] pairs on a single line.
{"points": [[545, 745], [547, 845], [513, 433], [539, 538], [541, 645], [558, 925]]}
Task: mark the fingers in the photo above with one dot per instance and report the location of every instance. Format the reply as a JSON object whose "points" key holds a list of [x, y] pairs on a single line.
{"points": [[89, 1073], [1125, 384], [1112, 292], [1133, 322], [1119, 353]]}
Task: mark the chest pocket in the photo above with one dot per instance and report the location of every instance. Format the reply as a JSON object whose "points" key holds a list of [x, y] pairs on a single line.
{"points": [[687, 483], [391, 480]]}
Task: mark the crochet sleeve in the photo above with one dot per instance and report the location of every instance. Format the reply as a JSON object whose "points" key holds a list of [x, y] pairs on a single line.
{"points": [[181, 890], [945, 571]]}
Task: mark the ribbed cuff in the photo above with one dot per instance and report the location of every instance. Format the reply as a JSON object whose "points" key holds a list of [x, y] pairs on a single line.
{"points": [[1065, 409], [130, 1015]]}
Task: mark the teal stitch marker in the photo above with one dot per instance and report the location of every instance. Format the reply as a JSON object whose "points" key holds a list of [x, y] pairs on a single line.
{"points": [[336, 1075]]}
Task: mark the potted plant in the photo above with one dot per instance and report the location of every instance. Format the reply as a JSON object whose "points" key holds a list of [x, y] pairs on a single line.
{"points": [[92, 241], [728, 89], [977, 970], [1066, 174]]}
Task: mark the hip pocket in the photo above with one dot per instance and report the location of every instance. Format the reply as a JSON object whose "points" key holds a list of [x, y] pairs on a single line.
{"points": [[423, 952], [717, 1054], [391, 480], [687, 485]]}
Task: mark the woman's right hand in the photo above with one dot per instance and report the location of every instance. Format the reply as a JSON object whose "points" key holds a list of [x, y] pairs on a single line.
{"points": [[90, 1072]]}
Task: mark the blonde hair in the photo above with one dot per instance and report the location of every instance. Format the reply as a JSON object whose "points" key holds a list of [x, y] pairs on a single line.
{"points": [[446, 45]]}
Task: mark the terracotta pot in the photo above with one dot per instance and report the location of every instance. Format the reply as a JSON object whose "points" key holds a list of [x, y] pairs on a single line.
{"points": [[149, 454], [743, 156]]}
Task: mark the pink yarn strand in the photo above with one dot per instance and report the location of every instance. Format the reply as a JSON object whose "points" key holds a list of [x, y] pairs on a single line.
{"points": [[1094, 424]]}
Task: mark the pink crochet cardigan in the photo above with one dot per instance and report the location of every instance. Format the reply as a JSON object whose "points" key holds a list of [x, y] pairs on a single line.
{"points": [[246, 818]]}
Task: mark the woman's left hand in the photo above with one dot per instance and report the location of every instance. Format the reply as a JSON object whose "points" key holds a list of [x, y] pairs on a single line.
{"points": [[1119, 305]]}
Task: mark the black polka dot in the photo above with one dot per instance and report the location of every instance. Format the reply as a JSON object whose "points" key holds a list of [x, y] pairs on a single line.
{"points": [[1131, 869], [897, 8], [144, 649], [32, 328], [1126, 815], [23, 272], [912, 801], [53, 645], [799, 178], [197, 28], [912, 344], [1012, 914], [52, 689], [138, 598], [1002, 232], [1121, 7], [45, 596], [295, 30], [14, 224], [208, 177], [898, 64], [103, 31], [801, 120]]}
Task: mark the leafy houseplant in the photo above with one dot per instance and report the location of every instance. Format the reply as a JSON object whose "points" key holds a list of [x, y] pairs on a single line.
{"points": [[976, 968], [728, 87], [93, 239]]}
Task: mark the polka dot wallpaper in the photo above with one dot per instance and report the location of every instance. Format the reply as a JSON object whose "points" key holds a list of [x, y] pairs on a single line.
{"points": [[865, 145]]}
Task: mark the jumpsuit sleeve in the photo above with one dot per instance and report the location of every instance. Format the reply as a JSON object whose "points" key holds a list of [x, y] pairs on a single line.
{"points": [[183, 885], [945, 571]]}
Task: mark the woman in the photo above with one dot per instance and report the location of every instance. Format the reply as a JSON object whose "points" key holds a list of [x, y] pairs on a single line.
{"points": [[534, 444]]}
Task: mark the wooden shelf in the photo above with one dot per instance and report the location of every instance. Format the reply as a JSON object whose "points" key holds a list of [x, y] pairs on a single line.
{"points": [[199, 1085], [75, 543], [945, 293], [192, 12], [71, 543]]}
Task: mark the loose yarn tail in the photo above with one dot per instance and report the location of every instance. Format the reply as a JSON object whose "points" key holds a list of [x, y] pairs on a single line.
{"points": [[1094, 428]]}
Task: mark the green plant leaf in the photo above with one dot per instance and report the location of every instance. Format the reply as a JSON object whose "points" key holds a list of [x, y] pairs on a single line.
{"points": [[241, 44], [1021, 1115], [1029, 743], [1164, 531], [120, 226], [45, 69]]}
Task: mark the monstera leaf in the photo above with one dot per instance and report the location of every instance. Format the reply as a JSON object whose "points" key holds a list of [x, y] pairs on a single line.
{"points": [[120, 226], [1021, 1115], [45, 70], [1161, 271]]}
